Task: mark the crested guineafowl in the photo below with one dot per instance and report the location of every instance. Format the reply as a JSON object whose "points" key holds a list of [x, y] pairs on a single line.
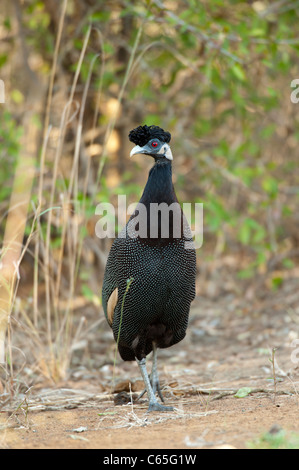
{"points": [[149, 281]]}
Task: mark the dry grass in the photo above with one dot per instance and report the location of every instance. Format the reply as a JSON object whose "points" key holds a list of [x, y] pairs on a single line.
{"points": [[51, 327]]}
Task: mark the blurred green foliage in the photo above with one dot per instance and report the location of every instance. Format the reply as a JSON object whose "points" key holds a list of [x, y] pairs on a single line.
{"points": [[217, 75], [276, 439], [10, 134]]}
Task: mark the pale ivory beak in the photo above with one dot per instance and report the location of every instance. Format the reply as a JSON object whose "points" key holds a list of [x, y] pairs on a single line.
{"points": [[165, 151], [135, 150]]}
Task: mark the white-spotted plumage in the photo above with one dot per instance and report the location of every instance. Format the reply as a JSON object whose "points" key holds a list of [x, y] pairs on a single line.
{"points": [[153, 312]]}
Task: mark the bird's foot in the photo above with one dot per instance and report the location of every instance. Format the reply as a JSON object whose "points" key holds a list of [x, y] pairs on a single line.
{"points": [[156, 389], [152, 386], [155, 406]]}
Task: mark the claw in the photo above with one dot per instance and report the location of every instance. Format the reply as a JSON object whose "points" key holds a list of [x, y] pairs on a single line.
{"points": [[158, 407]]}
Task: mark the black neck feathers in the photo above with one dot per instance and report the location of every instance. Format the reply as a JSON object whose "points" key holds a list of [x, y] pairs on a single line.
{"points": [[159, 187], [158, 192]]}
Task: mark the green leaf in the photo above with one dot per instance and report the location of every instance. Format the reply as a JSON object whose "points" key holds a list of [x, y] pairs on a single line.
{"points": [[17, 96], [277, 282], [270, 185], [243, 392], [238, 72], [288, 263], [3, 59], [244, 233], [257, 32], [87, 292]]}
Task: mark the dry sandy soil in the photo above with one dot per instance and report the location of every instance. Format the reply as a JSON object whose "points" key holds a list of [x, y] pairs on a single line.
{"points": [[228, 347]]}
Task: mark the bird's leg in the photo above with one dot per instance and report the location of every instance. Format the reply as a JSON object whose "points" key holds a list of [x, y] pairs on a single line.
{"points": [[154, 378], [153, 403], [154, 374]]}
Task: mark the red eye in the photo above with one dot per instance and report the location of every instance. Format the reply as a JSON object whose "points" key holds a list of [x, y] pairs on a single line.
{"points": [[154, 144]]}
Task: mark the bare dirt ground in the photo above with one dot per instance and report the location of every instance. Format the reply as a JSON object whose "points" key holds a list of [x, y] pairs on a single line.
{"points": [[228, 347]]}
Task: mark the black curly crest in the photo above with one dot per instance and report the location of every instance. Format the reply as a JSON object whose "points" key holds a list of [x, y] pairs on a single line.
{"points": [[142, 134]]}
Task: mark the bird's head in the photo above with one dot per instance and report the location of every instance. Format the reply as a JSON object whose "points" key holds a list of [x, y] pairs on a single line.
{"points": [[151, 140]]}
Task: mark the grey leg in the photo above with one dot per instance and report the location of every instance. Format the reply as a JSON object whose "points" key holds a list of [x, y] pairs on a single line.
{"points": [[153, 403], [154, 374], [154, 378]]}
